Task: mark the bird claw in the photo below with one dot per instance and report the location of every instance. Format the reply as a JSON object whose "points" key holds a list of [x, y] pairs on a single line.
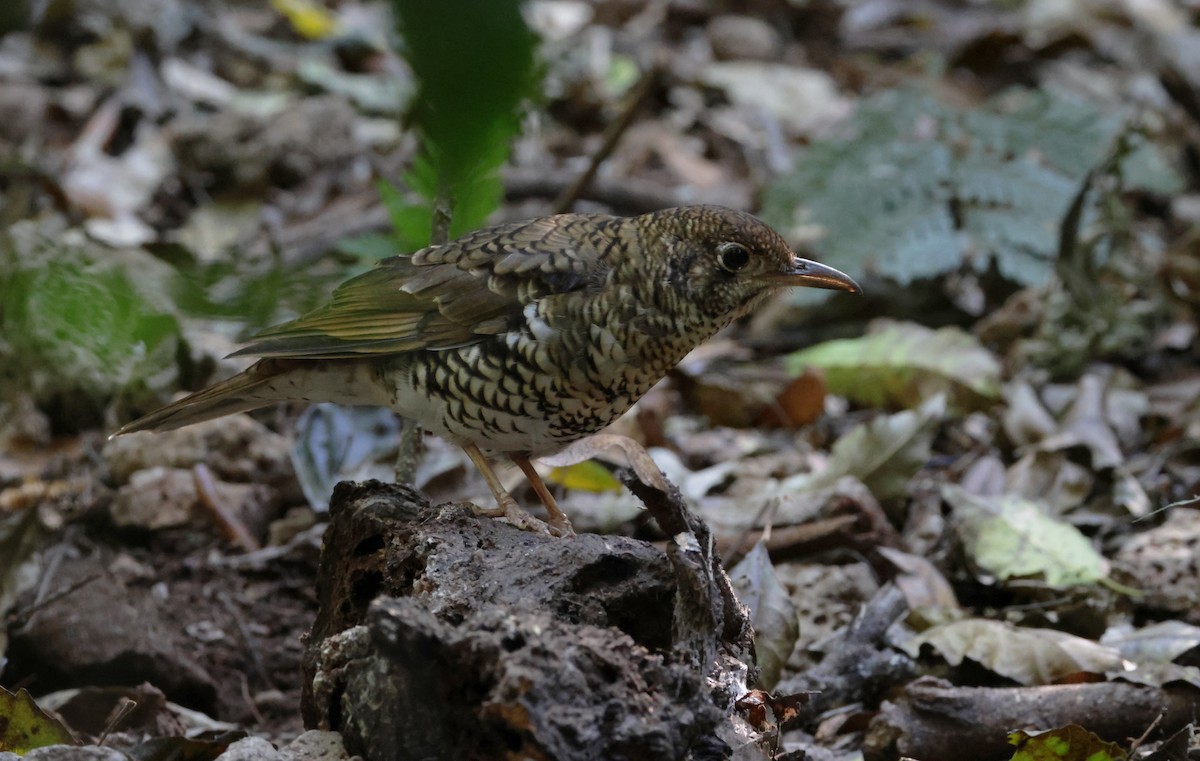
{"points": [[514, 515]]}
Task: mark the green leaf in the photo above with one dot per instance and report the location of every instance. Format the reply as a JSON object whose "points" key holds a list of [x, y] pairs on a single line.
{"points": [[1069, 743], [79, 321], [24, 726], [588, 475], [904, 364], [921, 188], [474, 64], [369, 247], [1009, 537]]}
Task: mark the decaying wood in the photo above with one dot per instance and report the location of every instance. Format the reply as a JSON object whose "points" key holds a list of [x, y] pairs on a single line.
{"points": [[935, 721], [444, 635], [860, 663]]}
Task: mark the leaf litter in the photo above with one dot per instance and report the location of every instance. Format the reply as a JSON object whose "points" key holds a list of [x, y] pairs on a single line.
{"points": [[1030, 244]]}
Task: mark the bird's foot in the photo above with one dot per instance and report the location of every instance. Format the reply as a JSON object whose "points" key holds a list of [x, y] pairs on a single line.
{"points": [[513, 514]]}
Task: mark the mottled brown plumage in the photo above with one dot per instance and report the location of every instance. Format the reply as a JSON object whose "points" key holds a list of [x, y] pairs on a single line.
{"points": [[519, 339]]}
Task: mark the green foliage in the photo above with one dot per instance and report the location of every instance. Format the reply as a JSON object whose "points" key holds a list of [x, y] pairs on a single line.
{"points": [[1069, 743], [920, 188], [78, 326], [474, 61], [1106, 301], [24, 726], [232, 289]]}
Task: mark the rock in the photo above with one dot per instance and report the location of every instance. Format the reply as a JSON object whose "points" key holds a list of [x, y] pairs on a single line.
{"points": [[317, 745], [743, 37], [106, 633], [252, 749], [158, 498], [235, 448]]}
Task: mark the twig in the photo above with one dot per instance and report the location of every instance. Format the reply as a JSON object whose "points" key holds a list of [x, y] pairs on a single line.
{"points": [[120, 713], [231, 526], [16, 618], [612, 136], [758, 530], [1141, 739], [674, 517], [411, 446], [252, 645]]}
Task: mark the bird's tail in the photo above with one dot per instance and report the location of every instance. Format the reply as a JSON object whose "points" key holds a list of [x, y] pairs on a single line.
{"points": [[245, 391]]}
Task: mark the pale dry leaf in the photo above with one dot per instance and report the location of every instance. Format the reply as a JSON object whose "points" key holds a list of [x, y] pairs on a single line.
{"points": [[1027, 656], [1025, 419], [771, 611], [923, 585]]}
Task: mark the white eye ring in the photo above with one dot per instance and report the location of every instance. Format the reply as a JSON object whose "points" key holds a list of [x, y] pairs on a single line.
{"points": [[733, 256]]}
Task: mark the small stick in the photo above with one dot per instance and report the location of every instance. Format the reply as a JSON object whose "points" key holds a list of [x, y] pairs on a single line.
{"points": [[411, 447], [612, 135], [231, 526]]}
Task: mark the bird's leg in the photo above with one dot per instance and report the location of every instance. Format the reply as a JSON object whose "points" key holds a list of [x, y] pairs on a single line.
{"points": [[506, 507], [558, 519]]}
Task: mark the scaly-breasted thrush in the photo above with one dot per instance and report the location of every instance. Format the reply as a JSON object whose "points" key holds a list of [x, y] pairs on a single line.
{"points": [[518, 339]]}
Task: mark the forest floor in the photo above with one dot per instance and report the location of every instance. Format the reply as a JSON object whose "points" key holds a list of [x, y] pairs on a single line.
{"points": [[1006, 427]]}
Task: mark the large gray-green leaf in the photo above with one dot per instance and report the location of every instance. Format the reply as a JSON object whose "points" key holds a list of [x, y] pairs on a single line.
{"points": [[902, 363], [921, 187], [1009, 536], [1028, 656]]}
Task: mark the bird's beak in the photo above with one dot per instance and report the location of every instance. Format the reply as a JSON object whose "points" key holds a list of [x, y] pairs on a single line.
{"points": [[812, 274]]}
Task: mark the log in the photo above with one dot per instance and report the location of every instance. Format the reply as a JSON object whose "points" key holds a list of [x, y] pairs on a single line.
{"points": [[441, 634]]}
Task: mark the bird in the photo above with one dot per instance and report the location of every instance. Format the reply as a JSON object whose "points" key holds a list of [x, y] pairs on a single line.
{"points": [[518, 339]]}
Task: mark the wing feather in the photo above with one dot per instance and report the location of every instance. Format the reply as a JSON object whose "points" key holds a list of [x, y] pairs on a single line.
{"points": [[443, 297]]}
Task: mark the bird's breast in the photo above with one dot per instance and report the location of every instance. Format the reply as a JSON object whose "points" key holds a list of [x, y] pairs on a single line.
{"points": [[571, 368]]}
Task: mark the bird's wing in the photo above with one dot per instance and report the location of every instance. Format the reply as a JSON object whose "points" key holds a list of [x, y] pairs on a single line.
{"points": [[446, 296]]}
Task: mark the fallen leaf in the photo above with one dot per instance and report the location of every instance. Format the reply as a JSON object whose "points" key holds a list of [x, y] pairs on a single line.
{"points": [[772, 612], [884, 454], [804, 100], [605, 445], [311, 20], [1163, 641], [1009, 536], [24, 726], [1028, 656], [588, 476], [903, 364], [800, 403], [1069, 743]]}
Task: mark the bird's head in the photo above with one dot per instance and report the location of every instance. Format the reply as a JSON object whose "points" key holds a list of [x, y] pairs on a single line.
{"points": [[727, 261]]}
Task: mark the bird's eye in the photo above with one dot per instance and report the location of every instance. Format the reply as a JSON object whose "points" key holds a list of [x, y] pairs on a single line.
{"points": [[733, 256]]}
